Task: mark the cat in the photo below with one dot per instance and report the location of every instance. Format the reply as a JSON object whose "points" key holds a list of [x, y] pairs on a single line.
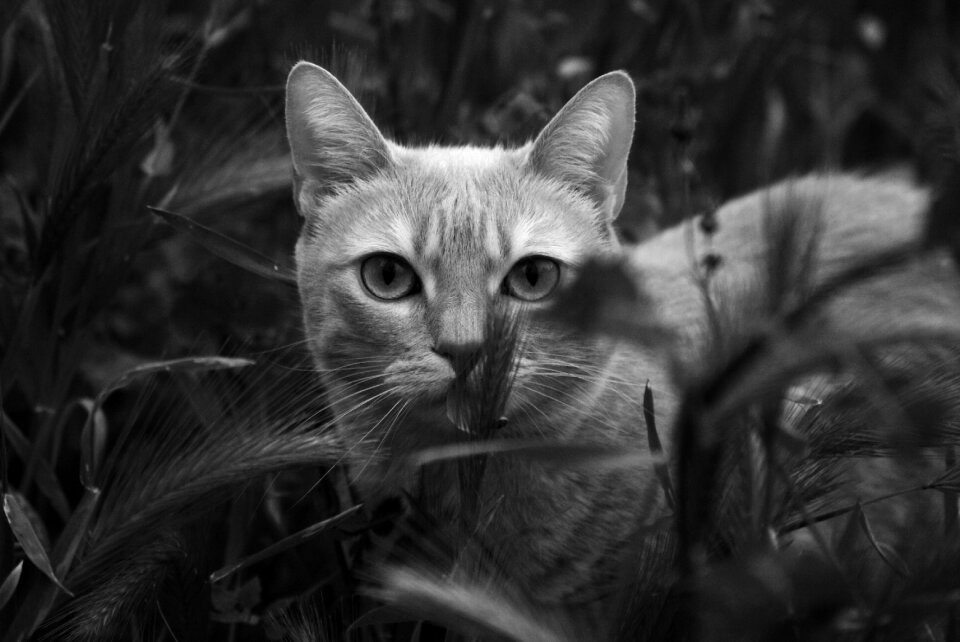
{"points": [[403, 249]]}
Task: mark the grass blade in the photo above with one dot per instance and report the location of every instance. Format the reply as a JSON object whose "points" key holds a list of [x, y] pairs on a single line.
{"points": [[43, 596], [228, 249], [46, 478], [93, 442], [187, 364], [469, 608], [9, 11], [17, 99], [285, 543], [10, 584], [29, 540], [661, 468], [950, 508], [93, 433], [569, 455], [31, 237], [887, 554]]}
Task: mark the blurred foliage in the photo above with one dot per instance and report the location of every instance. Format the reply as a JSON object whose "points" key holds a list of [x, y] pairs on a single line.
{"points": [[110, 106]]}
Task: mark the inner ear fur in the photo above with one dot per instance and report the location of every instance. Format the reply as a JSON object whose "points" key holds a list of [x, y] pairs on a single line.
{"points": [[332, 139], [587, 143]]}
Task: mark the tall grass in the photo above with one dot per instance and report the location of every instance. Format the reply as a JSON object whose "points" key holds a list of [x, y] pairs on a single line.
{"points": [[168, 467]]}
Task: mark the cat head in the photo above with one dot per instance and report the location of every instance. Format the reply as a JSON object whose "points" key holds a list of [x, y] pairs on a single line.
{"points": [[403, 250]]}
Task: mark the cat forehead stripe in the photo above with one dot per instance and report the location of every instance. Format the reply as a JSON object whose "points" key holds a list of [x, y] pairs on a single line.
{"points": [[433, 230], [540, 235], [394, 237], [491, 236], [463, 219]]}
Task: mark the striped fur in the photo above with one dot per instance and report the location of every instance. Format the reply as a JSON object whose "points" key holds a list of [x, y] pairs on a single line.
{"points": [[462, 217]]}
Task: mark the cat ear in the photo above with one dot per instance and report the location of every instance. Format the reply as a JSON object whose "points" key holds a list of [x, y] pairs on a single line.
{"points": [[332, 139], [587, 143]]}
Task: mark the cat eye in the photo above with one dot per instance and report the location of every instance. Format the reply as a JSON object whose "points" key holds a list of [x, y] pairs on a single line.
{"points": [[532, 278], [388, 277]]}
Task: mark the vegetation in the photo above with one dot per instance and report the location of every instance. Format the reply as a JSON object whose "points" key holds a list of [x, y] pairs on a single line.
{"points": [[164, 477]]}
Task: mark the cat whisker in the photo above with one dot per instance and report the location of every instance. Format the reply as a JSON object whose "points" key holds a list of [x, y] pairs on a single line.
{"points": [[329, 405], [560, 366], [541, 389], [280, 348], [366, 401], [634, 387], [574, 367], [372, 363], [525, 407], [631, 394], [402, 403], [349, 451]]}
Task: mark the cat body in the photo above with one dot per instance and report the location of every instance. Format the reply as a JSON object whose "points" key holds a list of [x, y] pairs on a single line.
{"points": [[403, 250], [841, 219]]}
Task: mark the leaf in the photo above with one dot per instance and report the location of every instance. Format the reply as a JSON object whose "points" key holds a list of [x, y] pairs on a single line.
{"points": [[287, 542], [43, 596], [186, 364], [227, 248], [28, 538], [10, 584]]}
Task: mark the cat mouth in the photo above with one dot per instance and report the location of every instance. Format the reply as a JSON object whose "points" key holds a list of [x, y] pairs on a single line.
{"points": [[462, 406]]}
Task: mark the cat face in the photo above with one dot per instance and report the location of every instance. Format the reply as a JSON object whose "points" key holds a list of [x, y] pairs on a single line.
{"points": [[405, 252]]}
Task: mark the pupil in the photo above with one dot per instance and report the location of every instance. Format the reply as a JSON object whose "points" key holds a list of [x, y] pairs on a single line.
{"points": [[388, 271], [531, 273]]}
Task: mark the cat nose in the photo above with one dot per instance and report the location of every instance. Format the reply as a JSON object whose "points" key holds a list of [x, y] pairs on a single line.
{"points": [[457, 327], [463, 356]]}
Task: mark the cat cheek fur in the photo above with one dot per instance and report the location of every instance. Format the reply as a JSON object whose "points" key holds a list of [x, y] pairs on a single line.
{"points": [[392, 331], [420, 373]]}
